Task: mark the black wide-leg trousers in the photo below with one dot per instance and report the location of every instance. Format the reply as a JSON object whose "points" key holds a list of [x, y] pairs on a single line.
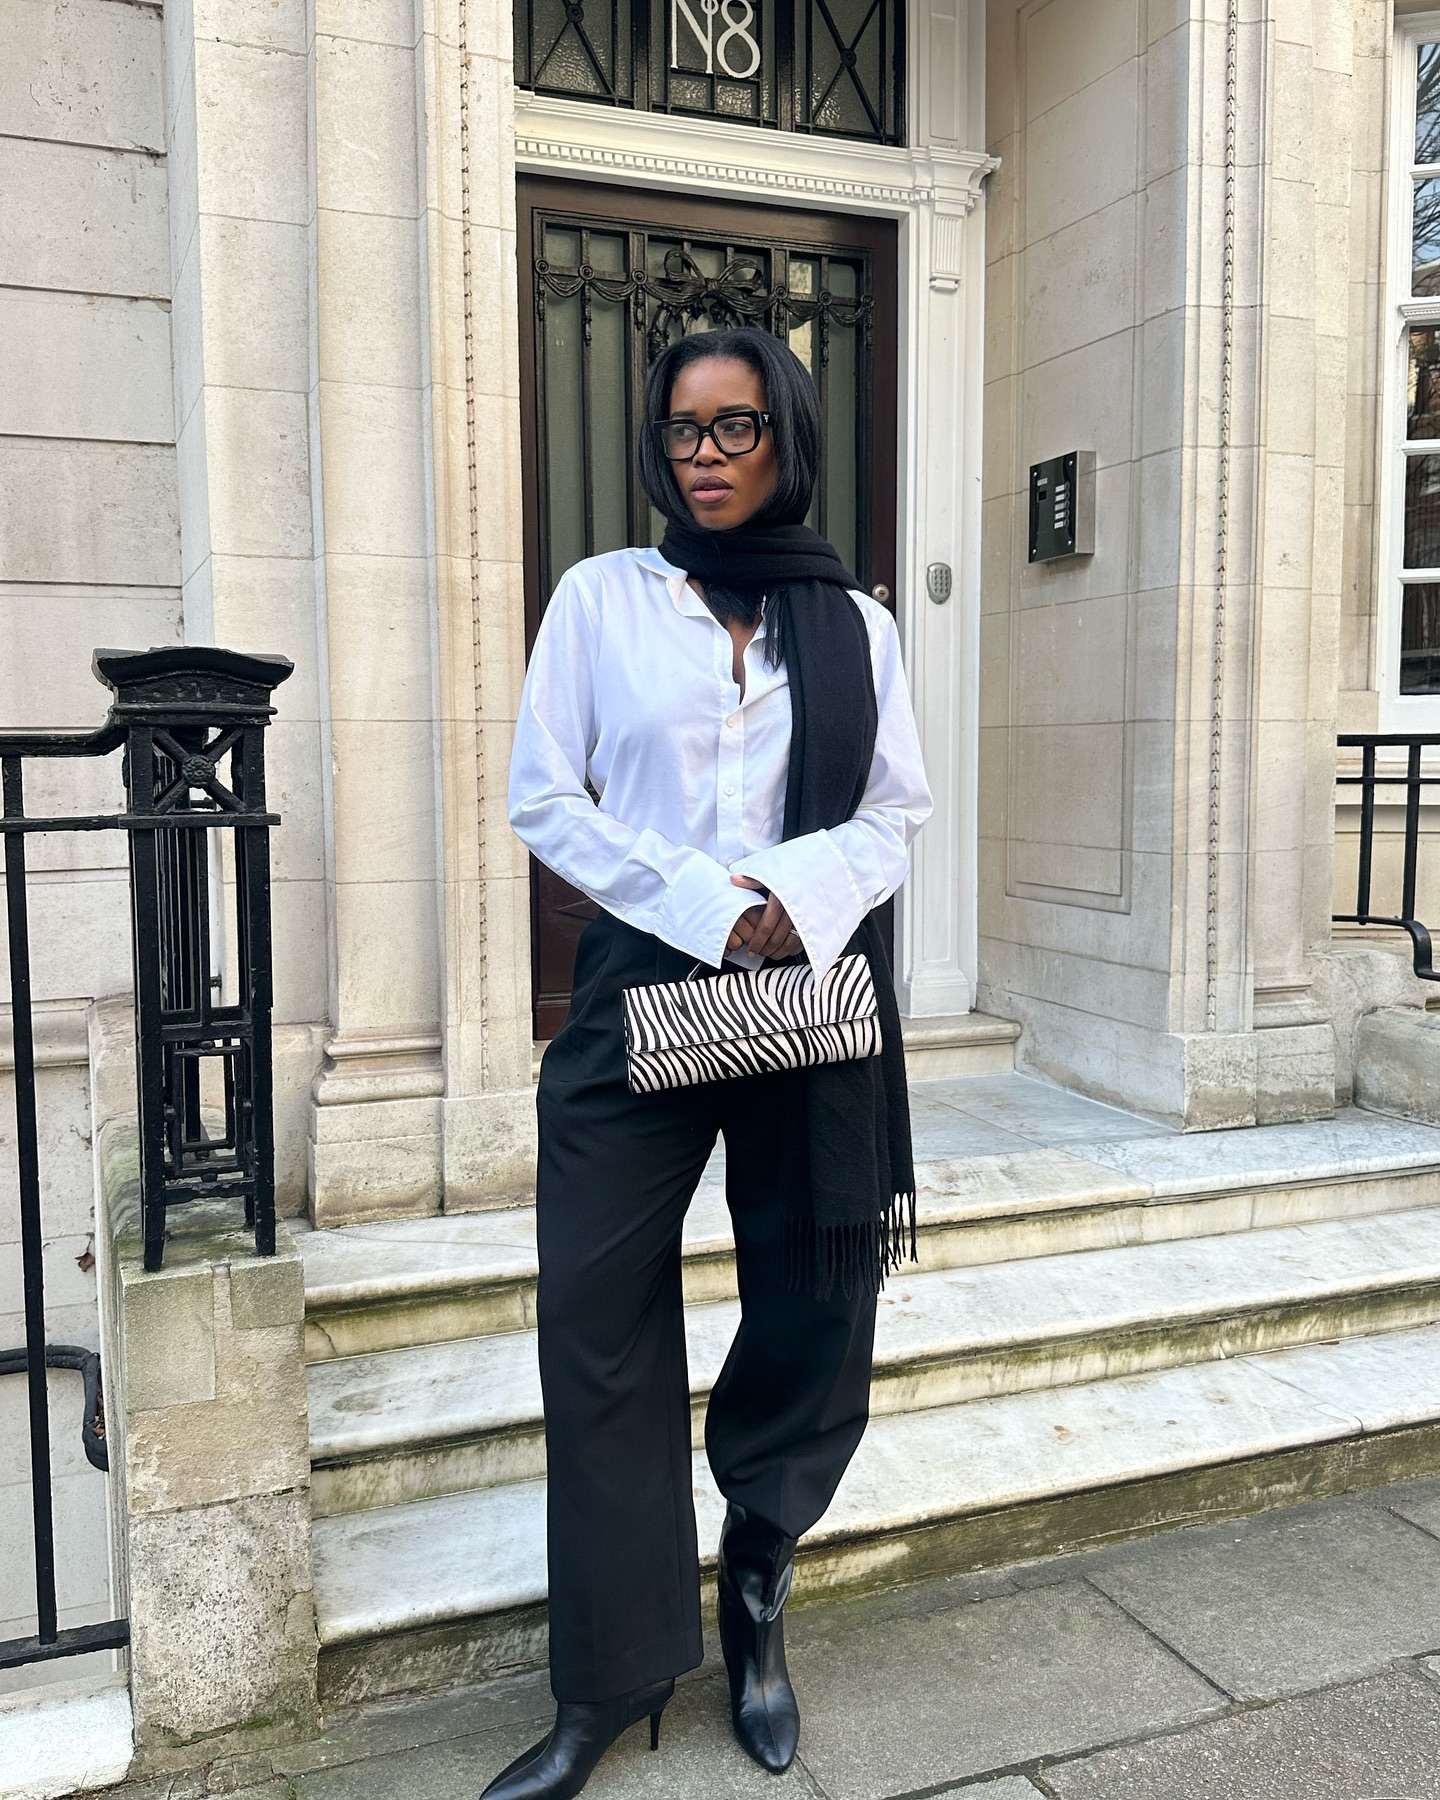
{"points": [[616, 1174]]}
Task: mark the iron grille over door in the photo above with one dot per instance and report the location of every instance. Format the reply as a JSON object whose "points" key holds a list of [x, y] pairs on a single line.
{"points": [[836, 67], [612, 277]]}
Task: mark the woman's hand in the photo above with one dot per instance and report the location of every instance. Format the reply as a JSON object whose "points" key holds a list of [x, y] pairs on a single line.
{"points": [[769, 933]]}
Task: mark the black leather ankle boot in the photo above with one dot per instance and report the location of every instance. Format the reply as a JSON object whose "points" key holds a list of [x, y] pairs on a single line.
{"points": [[558, 1767], [757, 1563]]}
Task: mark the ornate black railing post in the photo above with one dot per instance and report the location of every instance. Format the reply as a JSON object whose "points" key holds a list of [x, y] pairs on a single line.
{"points": [[186, 713], [191, 722]]}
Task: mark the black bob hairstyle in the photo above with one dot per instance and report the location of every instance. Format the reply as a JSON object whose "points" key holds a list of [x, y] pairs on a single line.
{"points": [[790, 399]]}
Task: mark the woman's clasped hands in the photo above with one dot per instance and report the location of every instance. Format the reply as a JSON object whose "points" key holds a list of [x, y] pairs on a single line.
{"points": [[767, 932]]}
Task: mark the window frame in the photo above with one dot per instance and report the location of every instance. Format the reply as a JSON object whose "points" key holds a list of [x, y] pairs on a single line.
{"points": [[1401, 712]]}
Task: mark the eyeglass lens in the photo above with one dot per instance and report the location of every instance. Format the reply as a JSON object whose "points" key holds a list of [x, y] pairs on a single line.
{"points": [[735, 433]]}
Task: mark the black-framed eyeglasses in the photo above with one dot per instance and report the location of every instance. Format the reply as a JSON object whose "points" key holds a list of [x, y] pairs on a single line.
{"points": [[733, 433]]}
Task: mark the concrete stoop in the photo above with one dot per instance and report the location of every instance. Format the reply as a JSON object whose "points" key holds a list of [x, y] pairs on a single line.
{"points": [[1103, 1338]]}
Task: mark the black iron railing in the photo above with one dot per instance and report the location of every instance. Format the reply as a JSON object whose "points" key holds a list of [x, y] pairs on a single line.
{"points": [[179, 716], [1413, 781]]}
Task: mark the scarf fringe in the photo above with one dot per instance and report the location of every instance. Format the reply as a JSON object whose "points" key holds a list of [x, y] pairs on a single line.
{"points": [[854, 1258]]}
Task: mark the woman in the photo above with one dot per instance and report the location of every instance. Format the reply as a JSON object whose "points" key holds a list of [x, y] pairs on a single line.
{"points": [[742, 716]]}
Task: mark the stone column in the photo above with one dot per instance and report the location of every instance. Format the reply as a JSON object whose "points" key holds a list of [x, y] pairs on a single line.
{"points": [[376, 1126], [469, 201], [240, 204], [1300, 554], [942, 307]]}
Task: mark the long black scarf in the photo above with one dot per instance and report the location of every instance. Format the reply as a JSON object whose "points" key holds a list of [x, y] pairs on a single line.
{"points": [[858, 1220]]}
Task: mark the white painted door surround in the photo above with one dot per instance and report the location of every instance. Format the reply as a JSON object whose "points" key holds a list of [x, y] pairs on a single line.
{"points": [[934, 188]]}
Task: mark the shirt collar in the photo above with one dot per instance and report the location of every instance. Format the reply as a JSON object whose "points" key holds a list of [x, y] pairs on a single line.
{"points": [[677, 585]]}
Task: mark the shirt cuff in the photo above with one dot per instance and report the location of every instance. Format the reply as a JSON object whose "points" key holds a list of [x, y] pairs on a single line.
{"points": [[700, 908], [814, 884]]}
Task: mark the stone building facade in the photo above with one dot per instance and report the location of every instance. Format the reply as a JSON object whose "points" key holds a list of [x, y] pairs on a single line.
{"points": [[270, 322]]}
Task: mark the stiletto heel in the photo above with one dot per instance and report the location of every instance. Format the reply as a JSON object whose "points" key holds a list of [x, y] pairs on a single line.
{"points": [[559, 1767]]}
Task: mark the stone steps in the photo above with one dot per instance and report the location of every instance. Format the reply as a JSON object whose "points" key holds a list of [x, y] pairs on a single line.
{"points": [[413, 1423], [426, 1281], [1112, 1327], [451, 1589]]}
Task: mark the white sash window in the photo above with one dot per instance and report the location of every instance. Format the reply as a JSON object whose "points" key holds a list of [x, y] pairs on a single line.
{"points": [[1408, 650]]}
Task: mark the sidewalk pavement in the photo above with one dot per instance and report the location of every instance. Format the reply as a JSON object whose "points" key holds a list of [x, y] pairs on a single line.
{"points": [[1294, 1655]]}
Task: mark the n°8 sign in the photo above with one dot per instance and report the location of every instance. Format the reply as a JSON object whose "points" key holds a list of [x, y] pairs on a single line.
{"points": [[726, 40]]}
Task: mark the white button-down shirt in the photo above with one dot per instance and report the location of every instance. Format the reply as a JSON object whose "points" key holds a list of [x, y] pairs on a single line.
{"points": [[631, 685]]}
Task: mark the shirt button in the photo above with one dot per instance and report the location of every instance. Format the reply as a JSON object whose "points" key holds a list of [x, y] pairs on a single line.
{"points": [[730, 722], [729, 790]]}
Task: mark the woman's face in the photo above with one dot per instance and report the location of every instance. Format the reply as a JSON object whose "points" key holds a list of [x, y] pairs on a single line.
{"points": [[722, 491]]}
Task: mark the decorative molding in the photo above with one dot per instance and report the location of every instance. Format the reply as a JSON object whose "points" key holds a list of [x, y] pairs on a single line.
{"points": [[59, 1031], [361, 1069], [601, 142], [1214, 794], [947, 249], [472, 460]]}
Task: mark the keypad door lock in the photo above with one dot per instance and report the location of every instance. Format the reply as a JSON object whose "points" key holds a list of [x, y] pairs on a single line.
{"points": [[939, 580]]}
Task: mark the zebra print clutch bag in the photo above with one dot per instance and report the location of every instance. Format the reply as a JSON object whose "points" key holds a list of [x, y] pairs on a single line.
{"points": [[680, 1033]]}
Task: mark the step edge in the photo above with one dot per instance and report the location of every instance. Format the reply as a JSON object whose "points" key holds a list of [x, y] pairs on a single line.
{"points": [[333, 1452], [353, 1296], [819, 1543]]}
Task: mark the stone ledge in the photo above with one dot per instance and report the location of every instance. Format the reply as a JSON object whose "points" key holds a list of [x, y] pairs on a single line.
{"points": [[1397, 1063], [56, 1743], [959, 1044]]}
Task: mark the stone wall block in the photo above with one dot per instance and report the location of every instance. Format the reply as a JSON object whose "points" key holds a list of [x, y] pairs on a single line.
{"points": [[210, 1431], [87, 220], [258, 475], [84, 367], [169, 1339], [1294, 1073], [251, 155], [256, 303], [370, 1171], [1354, 980], [490, 1148], [215, 1392], [360, 171], [1219, 1090], [72, 511], [87, 72], [1397, 1063], [222, 1652]]}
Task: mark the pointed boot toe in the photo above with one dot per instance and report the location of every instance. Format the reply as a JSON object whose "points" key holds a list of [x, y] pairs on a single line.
{"points": [[559, 1766], [768, 1729], [756, 1568]]}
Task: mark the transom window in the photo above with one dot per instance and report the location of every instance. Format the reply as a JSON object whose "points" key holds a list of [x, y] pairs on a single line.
{"points": [[836, 67]]}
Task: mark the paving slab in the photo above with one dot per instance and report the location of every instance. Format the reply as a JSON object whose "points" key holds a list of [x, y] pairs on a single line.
{"points": [[1417, 1501], [909, 1704], [389, 1726], [698, 1759], [1293, 1599], [1008, 1787], [1373, 1741]]}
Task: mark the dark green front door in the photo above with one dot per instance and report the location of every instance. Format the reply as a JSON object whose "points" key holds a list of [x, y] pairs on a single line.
{"points": [[608, 277]]}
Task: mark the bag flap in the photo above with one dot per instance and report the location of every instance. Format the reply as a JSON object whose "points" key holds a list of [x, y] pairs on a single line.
{"points": [[677, 1015]]}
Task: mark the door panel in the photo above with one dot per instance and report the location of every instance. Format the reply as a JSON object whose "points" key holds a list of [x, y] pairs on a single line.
{"points": [[608, 277]]}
